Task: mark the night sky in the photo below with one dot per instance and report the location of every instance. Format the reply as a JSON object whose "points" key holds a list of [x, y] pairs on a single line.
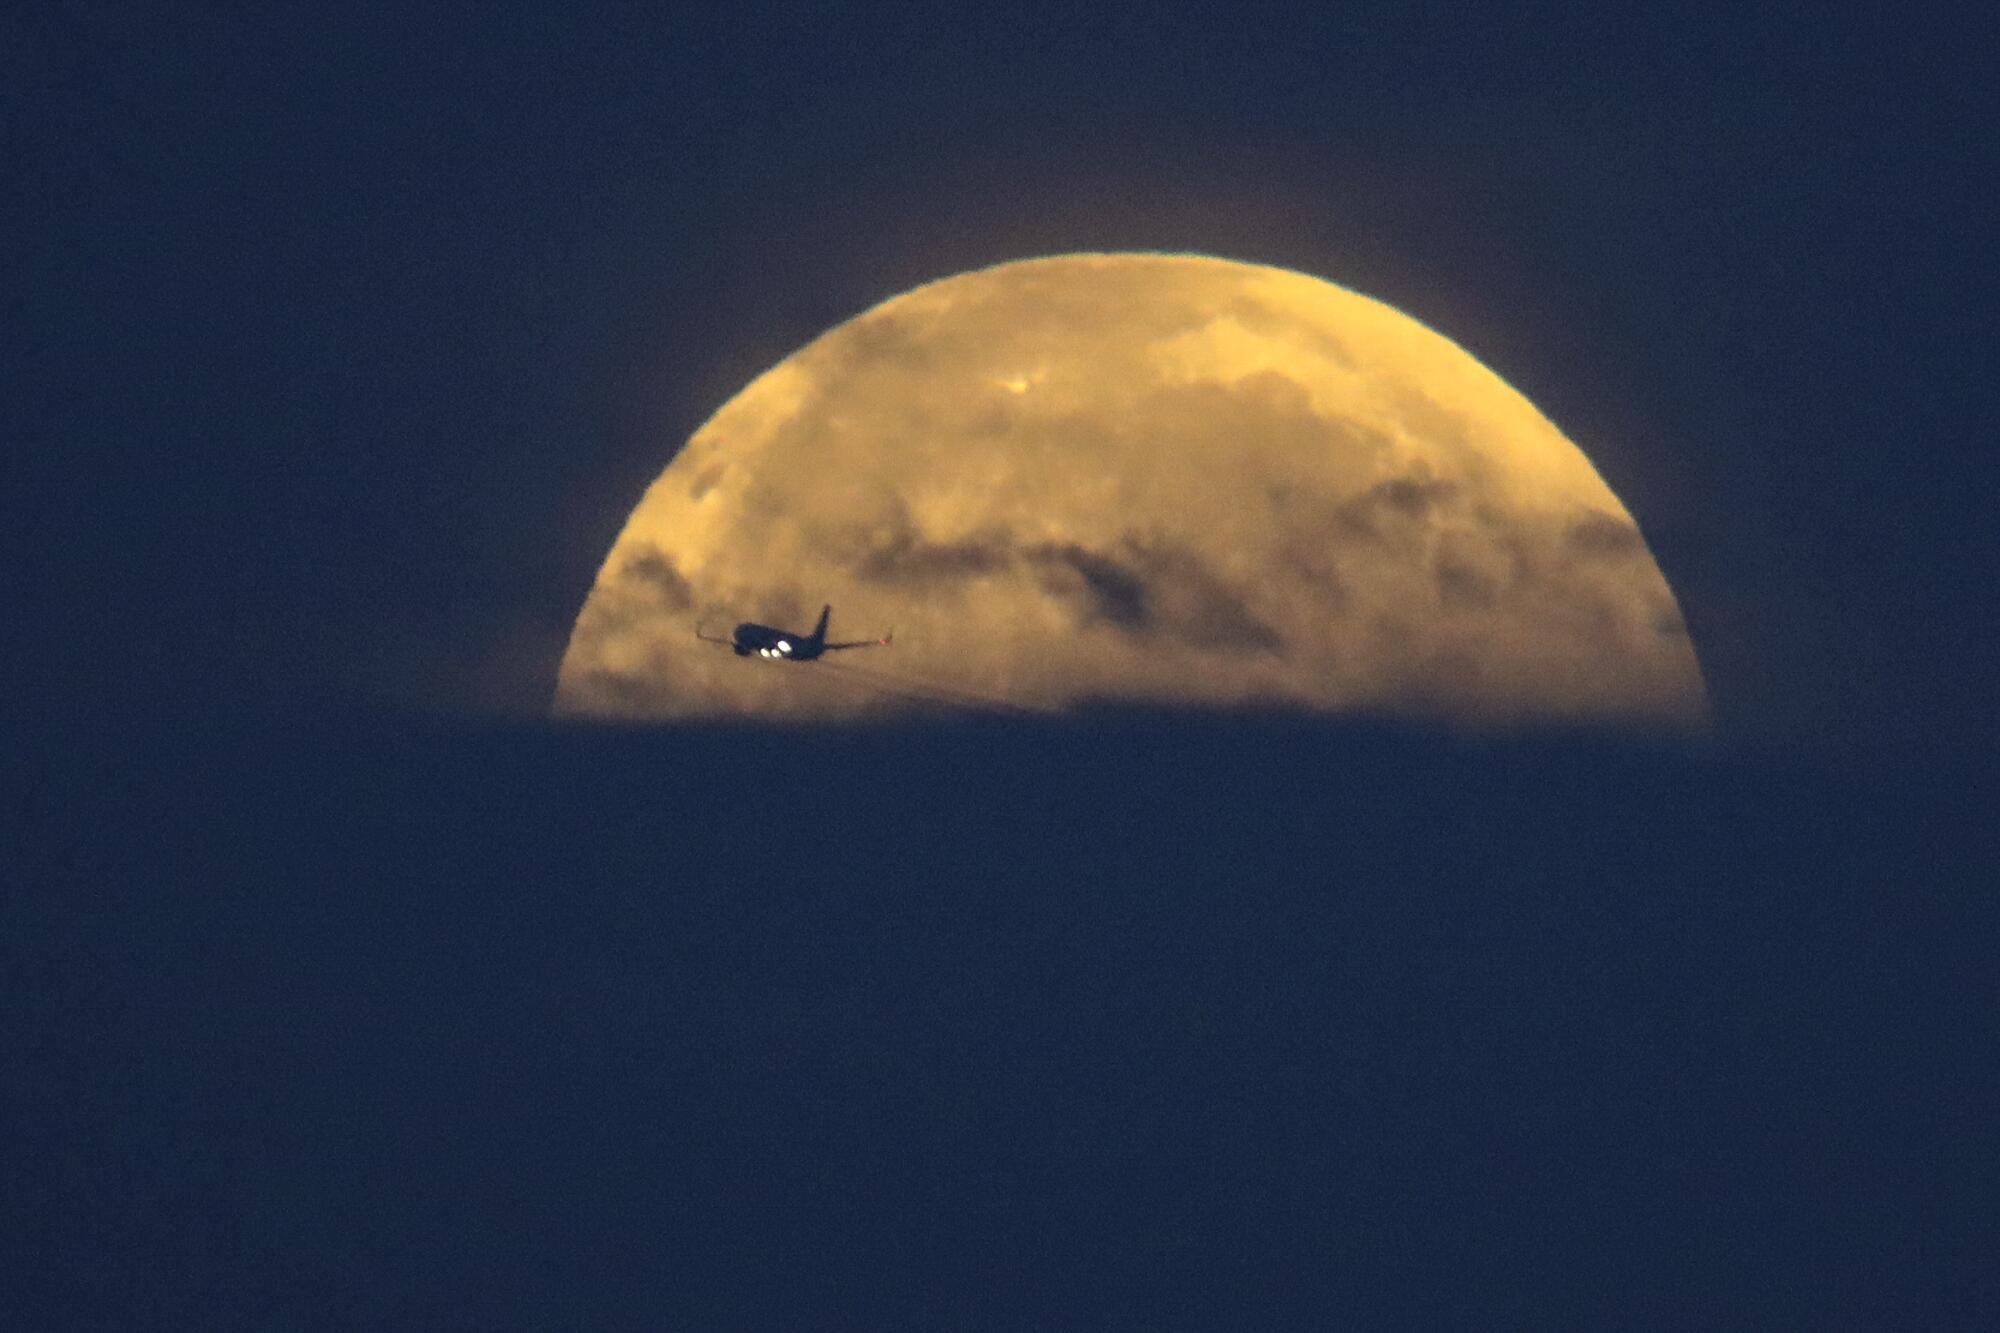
{"points": [[343, 993]]}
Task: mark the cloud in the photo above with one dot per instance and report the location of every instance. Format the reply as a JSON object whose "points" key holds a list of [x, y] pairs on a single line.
{"points": [[1193, 604], [1140, 587], [906, 558], [1396, 503], [1460, 585], [652, 571], [601, 690], [882, 339], [1310, 560], [1284, 327], [1156, 589], [646, 589], [1602, 537], [1444, 429], [706, 480], [1108, 591], [1412, 497], [1667, 621]]}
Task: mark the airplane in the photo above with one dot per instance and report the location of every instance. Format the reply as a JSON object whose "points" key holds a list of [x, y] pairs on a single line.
{"points": [[764, 641]]}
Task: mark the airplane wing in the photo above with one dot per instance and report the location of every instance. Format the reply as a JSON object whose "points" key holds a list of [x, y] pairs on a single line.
{"points": [[710, 638], [882, 642]]}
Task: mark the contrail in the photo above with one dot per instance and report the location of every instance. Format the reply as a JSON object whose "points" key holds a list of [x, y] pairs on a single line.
{"points": [[928, 692]]}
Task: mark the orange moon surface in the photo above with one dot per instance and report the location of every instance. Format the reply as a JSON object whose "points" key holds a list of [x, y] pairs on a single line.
{"points": [[1145, 478]]}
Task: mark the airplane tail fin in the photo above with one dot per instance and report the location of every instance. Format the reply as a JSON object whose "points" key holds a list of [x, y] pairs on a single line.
{"points": [[819, 630]]}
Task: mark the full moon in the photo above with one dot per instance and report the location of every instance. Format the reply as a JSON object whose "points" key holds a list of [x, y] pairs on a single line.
{"points": [[1148, 478]]}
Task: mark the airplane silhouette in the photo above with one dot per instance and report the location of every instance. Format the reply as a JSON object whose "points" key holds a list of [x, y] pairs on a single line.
{"points": [[784, 645]]}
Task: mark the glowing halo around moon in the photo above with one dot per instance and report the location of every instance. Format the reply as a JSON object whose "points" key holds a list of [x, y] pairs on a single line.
{"points": [[1168, 479]]}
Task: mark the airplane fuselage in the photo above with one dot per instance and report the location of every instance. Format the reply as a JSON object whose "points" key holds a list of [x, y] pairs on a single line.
{"points": [[765, 641], [784, 646]]}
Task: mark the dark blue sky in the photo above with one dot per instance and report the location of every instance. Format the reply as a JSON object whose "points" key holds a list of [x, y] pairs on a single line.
{"points": [[349, 339]]}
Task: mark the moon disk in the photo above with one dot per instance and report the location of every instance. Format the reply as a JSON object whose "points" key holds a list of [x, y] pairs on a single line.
{"points": [[1137, 477]]}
